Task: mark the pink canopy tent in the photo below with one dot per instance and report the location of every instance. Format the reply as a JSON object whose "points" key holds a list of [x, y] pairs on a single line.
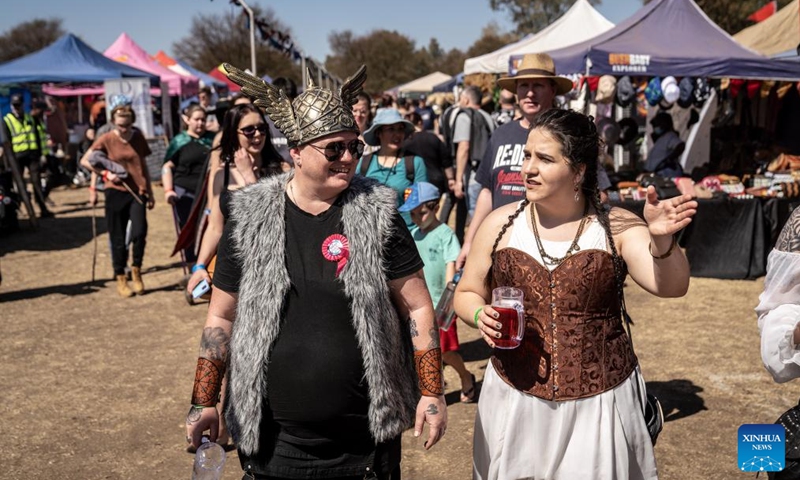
{"points": [[125, 50]]}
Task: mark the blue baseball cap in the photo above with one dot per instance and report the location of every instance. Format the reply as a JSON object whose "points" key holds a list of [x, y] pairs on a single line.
{"points": [[422, 192]]}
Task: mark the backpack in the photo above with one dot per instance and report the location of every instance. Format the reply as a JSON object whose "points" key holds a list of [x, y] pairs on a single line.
{"points": [[408, 160], [477, 123]]}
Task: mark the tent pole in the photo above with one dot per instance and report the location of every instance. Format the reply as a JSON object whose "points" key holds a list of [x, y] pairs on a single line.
{"points": [[80, 108], [303, 69], [249, 10]]}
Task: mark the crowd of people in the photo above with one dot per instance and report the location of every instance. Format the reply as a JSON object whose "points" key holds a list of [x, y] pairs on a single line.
{"points": [[321, 224]]}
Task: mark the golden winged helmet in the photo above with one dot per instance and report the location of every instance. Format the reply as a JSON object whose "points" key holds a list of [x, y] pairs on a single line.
{"points": [[315, 113]]}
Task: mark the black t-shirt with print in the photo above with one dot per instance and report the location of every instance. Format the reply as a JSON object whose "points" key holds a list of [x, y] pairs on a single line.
{"points": [[317, 396], [501, 168]]}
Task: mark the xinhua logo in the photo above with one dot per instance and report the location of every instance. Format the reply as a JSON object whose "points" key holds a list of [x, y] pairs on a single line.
{"points": [[762, 448]]}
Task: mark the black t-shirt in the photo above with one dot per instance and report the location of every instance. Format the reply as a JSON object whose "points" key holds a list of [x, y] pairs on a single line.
{"points": [[189, 162], [501, 168], [317, 396], [434, 152]]}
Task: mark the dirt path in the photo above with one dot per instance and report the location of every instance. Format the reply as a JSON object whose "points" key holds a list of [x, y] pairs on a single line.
{"points": [[97, 388]]}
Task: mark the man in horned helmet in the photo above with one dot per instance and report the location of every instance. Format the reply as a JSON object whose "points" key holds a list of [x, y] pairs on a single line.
{"points": [[320, 314]]}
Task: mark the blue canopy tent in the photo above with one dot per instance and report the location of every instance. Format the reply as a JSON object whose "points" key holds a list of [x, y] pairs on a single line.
{"points": [[68, 60], [204, 77], [449, 85], [668, 37]]}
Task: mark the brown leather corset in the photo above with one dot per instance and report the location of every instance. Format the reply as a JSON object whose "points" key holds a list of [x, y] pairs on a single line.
{"points": [[575, 344]]}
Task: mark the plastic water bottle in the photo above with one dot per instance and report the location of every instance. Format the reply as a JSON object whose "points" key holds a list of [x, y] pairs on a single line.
{"points": [[208, 461], [444, 309]]}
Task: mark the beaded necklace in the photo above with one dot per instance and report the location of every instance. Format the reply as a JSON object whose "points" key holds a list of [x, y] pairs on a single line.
{"points": [[548, 259]]}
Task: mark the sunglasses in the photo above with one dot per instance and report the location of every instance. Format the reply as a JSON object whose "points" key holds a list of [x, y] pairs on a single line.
{"points": [[334, 150], [250, 130]]}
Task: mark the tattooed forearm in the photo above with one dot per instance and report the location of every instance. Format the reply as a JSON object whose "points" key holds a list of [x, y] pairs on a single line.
{"points": [[428, 364], [789, 240], [194, 415], [214, 344], [207, 382], [434, 334], [432, 410], [412, 324]]}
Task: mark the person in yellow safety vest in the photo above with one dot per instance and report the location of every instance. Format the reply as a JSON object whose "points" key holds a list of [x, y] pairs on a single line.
{"points": [[28, 140]]}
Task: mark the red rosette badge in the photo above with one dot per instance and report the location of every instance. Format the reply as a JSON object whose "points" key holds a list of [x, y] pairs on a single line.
{"points": [[336, 248]]}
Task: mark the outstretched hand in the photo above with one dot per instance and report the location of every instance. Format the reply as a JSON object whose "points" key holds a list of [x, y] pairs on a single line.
{"points": [[667, 217]]}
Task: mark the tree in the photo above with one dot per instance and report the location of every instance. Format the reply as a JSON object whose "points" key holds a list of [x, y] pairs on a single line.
{"points": [[490, 40], [28, 37], [391, 58], [217, 38], [530, 16], [731, 15]]}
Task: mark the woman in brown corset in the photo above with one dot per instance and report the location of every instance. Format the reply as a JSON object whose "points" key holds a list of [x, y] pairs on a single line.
{"points": [[565, 404]]}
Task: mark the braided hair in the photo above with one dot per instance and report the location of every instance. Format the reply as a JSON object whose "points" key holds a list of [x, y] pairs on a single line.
{"points": [[580, 145]]}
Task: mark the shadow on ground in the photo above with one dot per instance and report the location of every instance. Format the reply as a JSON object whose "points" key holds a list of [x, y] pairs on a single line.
{"points": [[59, 233], [84, 288], [679, 398]]}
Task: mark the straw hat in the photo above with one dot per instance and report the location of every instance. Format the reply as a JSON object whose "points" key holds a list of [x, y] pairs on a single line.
{"points": [[536, 65]]}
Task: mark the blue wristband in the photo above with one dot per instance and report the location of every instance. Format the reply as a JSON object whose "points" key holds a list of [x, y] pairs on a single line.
{"points": [[198, 266]]}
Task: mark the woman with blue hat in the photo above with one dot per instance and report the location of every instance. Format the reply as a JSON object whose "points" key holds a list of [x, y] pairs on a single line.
{"points": [[388, 165]]}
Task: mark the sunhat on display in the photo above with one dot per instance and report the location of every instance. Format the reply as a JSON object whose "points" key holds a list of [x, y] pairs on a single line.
{"points": [[533, 66], [605, 89], [670, 90], [686, 97], [653, 92], [625, 91]]}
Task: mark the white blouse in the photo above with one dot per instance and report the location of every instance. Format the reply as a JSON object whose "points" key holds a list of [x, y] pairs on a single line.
{"points": [[778, 314]]}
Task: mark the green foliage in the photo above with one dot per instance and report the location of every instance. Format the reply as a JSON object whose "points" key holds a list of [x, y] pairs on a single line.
{"points": [[224, 37], [731, 15], [28, 37], [393, 59], [530, 16]]}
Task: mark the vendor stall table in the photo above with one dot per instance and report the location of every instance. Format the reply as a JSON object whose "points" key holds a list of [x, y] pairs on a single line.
{"points": [[730, 238]]}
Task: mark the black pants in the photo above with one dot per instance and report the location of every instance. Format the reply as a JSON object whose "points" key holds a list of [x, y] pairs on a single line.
{"points": [[395, 475], [30, 160], [121, 207]]}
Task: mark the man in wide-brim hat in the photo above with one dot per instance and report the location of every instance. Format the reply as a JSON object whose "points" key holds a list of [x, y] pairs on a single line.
{"points": [[317, 300], [536, 85]]}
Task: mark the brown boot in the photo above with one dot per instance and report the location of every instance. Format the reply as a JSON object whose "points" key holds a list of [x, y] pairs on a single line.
{"points": [[122, 287], [136, 280]]}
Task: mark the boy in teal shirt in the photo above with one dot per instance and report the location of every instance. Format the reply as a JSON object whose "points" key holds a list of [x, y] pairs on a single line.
{"points": [[439, 249]]}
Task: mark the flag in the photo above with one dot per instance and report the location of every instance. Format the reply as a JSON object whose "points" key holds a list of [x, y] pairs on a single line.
{"points": [[764, 12]]}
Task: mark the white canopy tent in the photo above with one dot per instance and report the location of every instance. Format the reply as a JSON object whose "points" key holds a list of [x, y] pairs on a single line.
{"points": [[776, 35], [581, 22], [423, 84]]}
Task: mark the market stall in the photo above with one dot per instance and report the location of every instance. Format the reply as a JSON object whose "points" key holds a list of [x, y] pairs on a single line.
{"points": [[669, 37]]}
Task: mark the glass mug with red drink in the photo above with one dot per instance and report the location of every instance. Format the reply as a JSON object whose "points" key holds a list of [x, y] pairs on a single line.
{"points": [[507, 302]]}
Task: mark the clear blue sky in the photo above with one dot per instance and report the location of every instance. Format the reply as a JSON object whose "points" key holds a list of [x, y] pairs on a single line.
{"points": [[156, 24]]}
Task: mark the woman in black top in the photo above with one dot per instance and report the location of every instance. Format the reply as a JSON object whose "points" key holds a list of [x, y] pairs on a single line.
{"points": [[246, 146], [183, 169]]}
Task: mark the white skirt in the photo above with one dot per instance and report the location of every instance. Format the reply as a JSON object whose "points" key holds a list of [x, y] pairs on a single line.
{"points": [[519, 436]]}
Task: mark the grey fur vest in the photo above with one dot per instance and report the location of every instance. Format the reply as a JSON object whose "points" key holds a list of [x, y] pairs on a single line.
{"points": [[260, 242]]}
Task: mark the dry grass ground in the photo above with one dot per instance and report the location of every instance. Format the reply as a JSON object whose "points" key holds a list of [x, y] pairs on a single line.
{"points": [[97, 387]]}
